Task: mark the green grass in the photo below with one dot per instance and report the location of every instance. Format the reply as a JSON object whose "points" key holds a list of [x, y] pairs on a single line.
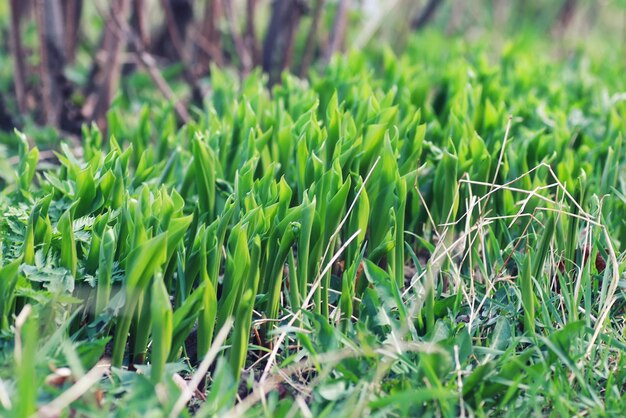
{"points": [[383, 239]]}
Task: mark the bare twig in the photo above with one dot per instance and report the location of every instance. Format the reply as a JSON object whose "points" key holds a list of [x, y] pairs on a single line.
{"points": [[211, 50], [148, 62], [108, 70], [209, 34]]}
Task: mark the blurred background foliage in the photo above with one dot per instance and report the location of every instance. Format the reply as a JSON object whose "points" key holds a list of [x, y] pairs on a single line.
{"points": [[65, 63]]}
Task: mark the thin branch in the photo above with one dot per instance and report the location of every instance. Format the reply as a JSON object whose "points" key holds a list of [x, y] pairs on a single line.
{"points": [[147, 61], [208, 37], [149, 64], [426, 14], [211, 50], [108, 71]]}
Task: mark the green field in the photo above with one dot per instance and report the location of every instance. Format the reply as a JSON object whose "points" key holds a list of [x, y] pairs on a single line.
{"points": [[434, 232]]}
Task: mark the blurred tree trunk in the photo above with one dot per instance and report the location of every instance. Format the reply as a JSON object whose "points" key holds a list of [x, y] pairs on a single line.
{"points": [[279, 38], [138, 21], [50, 28], [72, 10], [19, 68]]}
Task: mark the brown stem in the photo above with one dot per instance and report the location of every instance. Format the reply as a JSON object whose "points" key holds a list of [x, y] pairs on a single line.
{"points": [[19, 67], [207, 36], [139, 21], [121, 30], [211, 50]]}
